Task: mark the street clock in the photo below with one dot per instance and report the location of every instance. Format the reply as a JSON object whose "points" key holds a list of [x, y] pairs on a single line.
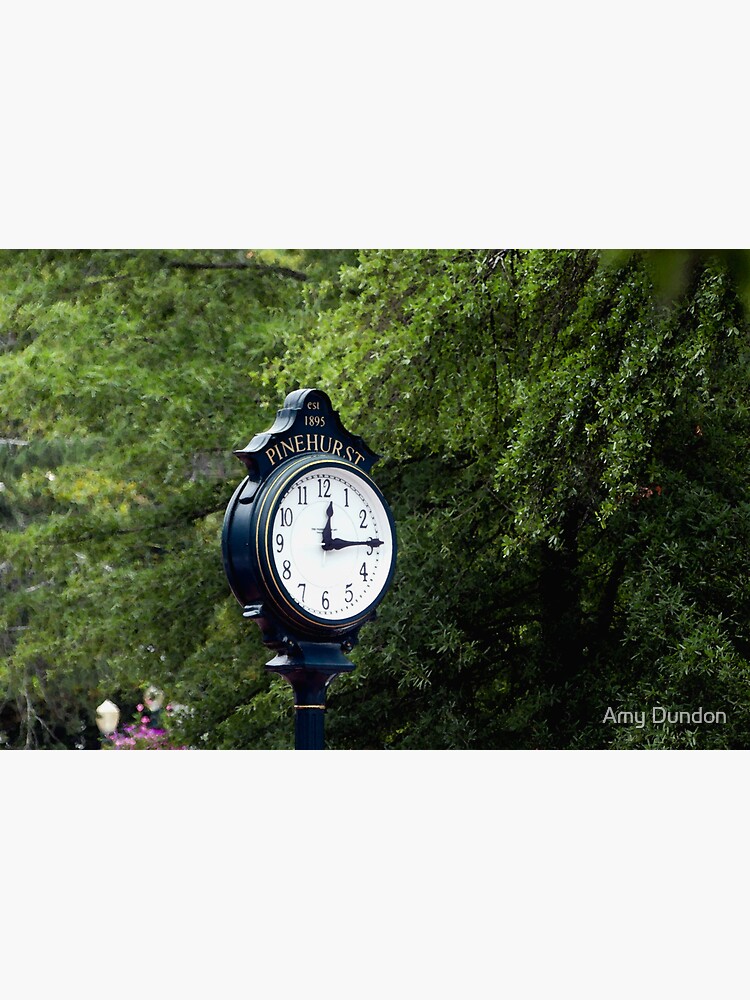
{"points": [[309, 541]]}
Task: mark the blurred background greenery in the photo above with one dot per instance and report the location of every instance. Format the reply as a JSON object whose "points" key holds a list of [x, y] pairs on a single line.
{"points": [[564, 439]]}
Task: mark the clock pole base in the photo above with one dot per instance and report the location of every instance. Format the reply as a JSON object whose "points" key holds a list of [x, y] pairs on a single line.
{"points": [[310, 667]]}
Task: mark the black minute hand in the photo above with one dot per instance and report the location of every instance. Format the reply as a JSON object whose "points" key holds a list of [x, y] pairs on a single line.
{"points": [[327, 533]]}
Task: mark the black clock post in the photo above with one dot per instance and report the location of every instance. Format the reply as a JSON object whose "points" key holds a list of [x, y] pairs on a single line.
{"points": [[309, 547], [310, 668]]}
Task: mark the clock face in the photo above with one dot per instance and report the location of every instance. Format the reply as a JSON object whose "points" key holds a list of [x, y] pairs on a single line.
{"points": [[326, 544]]}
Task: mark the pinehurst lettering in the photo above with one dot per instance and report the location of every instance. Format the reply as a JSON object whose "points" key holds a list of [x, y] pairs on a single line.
{"points": [[312, 442]]}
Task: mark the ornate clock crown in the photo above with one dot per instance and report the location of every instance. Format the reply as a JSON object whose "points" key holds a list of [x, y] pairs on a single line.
{"points": [[306, 423]]}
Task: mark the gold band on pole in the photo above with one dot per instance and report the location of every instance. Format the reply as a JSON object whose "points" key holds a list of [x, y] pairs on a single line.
{"points": [[321, 707]]}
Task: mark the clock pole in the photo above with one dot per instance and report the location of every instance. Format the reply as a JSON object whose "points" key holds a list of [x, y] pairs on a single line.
{"points": [[310, 667]]}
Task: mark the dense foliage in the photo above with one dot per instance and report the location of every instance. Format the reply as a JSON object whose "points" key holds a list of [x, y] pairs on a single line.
{"points": [[563, 436]]}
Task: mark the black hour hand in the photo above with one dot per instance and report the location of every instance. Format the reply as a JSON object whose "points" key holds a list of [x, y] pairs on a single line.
{"points": [[341, 543]]}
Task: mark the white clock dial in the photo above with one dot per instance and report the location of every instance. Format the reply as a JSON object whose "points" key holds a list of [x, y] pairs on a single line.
{"points": [[330, 544]]}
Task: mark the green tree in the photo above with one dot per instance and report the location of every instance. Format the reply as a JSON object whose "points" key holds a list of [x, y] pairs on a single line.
{"points": [[124, 385], [565, 446]]}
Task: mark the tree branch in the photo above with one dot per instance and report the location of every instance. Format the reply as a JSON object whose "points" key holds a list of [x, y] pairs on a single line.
{"points": [[238, 265], [609, 593], [103, 534]]}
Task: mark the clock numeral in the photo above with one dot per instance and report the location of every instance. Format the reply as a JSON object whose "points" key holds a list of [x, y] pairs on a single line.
{"points": [[346, 496], [280, 542], [363, 571], [287, 570], [324, 488], [301, 495], [286, 516], [324, 601], [363, 519], [349, 593], [303, 585]]}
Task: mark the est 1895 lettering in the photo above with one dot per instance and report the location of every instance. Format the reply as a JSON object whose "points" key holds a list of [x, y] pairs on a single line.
{"points": [[316, 419]]}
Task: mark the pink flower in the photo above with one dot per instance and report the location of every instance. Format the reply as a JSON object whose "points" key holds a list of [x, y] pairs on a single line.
{"points": [[144, 718], [139, 708]]}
